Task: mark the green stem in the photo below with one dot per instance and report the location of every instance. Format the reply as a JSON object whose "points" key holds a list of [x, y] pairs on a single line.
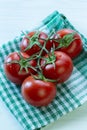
{"points": [[41, 51]]}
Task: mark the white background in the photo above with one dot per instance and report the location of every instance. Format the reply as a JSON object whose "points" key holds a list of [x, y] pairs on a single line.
{"points": [[19, 15]]}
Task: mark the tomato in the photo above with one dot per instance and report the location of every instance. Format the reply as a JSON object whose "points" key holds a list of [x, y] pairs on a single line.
{"points": [[33, 42], [16, 68], [60, 70], [75, 47], [38, 92]]}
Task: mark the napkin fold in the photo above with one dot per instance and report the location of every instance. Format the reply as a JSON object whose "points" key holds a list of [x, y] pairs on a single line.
{"points": [[70, 95]]}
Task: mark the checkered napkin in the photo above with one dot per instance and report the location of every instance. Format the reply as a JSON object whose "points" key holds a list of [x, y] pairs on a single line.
{"points": [[70, 95]]}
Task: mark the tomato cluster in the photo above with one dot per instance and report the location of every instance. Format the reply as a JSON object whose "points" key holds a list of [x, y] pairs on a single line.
{"points": [[43, 62]]}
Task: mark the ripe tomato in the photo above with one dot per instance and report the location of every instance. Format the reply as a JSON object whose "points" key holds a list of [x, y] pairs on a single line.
{"points": [[60, 70], [16, 68], [75, 47], [38, 92], [33, 42]]}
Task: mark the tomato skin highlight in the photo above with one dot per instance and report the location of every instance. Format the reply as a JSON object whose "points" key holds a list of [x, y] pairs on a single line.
{"points": [[35, 48], [75, 48], [12, 70], [62, 69], [38, 92]]}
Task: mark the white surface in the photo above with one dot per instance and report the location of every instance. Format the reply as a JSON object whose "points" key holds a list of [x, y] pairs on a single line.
{"points": [[19, 15]]}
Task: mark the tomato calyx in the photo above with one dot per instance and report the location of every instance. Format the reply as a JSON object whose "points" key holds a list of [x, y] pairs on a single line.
{"points": [[34, 40], [23, 63], [50, 59], [66, 40]]}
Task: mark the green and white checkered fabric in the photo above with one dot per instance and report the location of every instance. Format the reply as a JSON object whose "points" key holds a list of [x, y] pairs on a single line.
{"points": [[70, 94]]}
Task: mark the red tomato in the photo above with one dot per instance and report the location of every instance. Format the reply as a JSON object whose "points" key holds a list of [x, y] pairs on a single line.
{"points": [[60, 70], [16, 68], [31, 46], [38, 92], [75, 47]]}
